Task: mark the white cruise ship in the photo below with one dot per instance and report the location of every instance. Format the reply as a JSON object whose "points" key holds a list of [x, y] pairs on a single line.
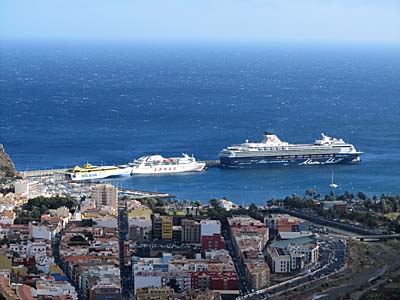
{"points": [[90, 172], [156, 164], [274, 152]]}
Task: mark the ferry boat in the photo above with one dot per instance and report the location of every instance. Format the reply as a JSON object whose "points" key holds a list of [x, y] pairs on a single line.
{"points": [[90, 172], [157, 164], [273, 151]]}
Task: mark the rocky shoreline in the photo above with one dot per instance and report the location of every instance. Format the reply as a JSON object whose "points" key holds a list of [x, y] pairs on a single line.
{"points": [[7, 167]]}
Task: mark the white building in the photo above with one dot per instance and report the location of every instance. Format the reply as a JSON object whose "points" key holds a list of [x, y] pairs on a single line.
{"points": [[228, 205], [280, 262], [87, 205], [210, 227], [159, 279], [38, 249], [292, 257], [310, 251], [62, 211], [44, 232], [221, 255], [100, 272], [106, 222], [147, 279], [105, 195], [26, 187], [288, 235], [30, 249], [43, 263], [140, 230], [50, 288]]}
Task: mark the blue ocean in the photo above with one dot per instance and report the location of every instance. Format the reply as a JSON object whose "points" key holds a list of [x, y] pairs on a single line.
{"points": [[68, 103]]}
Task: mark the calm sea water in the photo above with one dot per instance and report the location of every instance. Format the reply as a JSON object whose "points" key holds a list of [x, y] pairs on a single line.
{"points": [[63, 104]]}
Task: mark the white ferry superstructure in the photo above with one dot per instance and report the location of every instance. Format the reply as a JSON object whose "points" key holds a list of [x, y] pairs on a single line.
{"points": [[157, 164]]}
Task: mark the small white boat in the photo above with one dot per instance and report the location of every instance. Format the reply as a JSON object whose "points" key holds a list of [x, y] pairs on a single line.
{"points": [[333, 185]]}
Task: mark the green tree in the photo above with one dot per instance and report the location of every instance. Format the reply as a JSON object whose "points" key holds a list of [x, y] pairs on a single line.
{"points": [[253, 207], [173, 284], [311, 193], [361, 196], [196, 203], [214, 202], [4, 241], [88, 223]]}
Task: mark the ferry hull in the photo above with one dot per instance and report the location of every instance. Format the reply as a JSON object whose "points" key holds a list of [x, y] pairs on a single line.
{"points": [[98, 175], [269, 161], [198, 167]]}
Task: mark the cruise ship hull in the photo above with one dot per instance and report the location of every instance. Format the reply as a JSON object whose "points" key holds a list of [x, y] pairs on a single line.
{"points": [[268, 161]]}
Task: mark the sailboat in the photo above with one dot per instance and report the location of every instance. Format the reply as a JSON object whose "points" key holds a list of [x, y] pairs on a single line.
{"points": [[333, 185]]}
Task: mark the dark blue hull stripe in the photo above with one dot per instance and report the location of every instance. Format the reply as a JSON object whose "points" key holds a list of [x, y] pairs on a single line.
{"points": [[263, 162]]}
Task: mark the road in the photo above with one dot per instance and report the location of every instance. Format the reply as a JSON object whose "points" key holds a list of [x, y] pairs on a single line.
{"points": [[367, 278], [244, 289]]}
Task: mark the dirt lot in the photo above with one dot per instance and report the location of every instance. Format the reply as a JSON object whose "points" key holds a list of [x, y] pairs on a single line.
{"points": [[388, 288]]}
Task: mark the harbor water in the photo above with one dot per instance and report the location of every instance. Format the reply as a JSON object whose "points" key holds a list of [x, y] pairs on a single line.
{"points": [[65, 104]]}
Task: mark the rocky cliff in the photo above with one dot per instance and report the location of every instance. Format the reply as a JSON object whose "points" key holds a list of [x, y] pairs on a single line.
{"points": [[7, 168]]}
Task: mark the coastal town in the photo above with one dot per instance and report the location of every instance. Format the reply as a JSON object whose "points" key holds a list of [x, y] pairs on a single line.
{"points": [[199, 150], [90, 240]]}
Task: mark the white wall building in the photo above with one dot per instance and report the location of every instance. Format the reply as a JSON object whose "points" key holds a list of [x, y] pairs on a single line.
{"points": [[140, 230], [310, 251], [30, 249], [106, 222], [44, 232], [293, 257], [228, 205], [38, 249], [280, 262], [26, 187], [210, 227], [147, 279], [52, 288]]}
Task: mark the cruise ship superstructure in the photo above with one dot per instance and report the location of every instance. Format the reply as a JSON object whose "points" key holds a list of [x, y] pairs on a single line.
{"points": [[157, 164], [90, 172], [273, 151]]}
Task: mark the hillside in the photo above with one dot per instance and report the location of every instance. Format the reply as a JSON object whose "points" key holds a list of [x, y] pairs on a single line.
{"points": [[7, 168]]}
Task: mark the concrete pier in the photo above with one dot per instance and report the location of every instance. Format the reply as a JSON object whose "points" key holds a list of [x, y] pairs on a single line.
{"points": [[211, 163], [144, 194], [51, 172], [39, 173]]}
